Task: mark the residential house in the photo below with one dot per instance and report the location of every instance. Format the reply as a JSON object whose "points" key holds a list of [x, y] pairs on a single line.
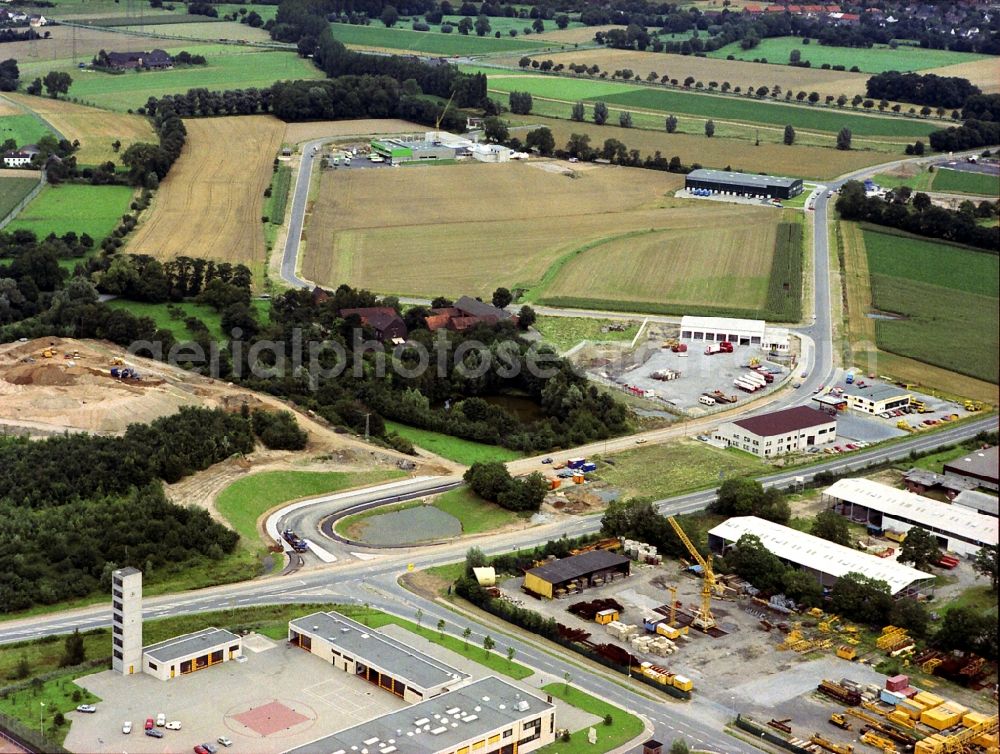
{"points": [[384, 320], [467, 313], [154, 59], [20, 158], [37, 21]]}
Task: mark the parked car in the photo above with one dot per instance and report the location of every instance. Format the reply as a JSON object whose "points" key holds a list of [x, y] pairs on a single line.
{"points": [[86, 708], [224, 741], [173, 725], [640, 441], [211, 749], [150, 723], [547, 460], [154, 733], [127, 727], [161, 720], [199, 749]]}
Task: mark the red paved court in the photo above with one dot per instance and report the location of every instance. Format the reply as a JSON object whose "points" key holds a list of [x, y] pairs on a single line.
{"points": [[270, 718]]}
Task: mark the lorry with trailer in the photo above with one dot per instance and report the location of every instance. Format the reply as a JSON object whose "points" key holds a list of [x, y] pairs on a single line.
{"points": [[723, 346], [575, 463], [746, 386], [295, 541]]}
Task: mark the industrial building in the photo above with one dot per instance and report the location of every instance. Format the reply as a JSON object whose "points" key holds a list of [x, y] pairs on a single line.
{"points": [[778, 432], [958, 529], [826, 560], [190, 653], [983, 502], [876, 399], [433, 145], [489, 716], [743, 184], [979, 466], [389, 664], [739, 332], [575, 572], [126, 620]]}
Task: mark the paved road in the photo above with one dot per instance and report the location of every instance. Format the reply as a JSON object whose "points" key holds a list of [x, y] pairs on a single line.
{"points": [[300, 197]]}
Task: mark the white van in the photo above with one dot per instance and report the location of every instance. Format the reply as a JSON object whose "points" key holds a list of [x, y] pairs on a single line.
{"points": [[708, 401]]}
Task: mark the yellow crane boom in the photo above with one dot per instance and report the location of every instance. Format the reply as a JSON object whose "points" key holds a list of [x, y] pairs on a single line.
{"points": [[703, 619]]}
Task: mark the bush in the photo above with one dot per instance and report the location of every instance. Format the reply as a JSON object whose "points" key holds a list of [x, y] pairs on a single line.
{"points": [[278, 430]]}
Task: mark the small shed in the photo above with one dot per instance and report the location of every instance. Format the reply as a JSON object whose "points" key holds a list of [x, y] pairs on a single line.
{"points": [[606, 616], [652, 746], [486, 576]]}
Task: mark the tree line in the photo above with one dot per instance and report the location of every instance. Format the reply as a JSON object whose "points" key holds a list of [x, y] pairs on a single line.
{"points": [[921, 89]]}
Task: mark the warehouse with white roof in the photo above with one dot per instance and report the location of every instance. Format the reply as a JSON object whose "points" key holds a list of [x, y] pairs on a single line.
{"points": [[826, 560], [739, 332], [959, 529]]}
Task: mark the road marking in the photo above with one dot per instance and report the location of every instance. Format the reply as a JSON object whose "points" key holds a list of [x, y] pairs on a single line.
{"points": [[364, 555], [319, 552]]}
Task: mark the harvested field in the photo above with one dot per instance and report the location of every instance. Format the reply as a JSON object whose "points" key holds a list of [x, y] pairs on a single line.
{"points": [[94, 129], [59, 46], [579, 35], [539, 211], [210, 204], [736, 72], [317, 129], [982, 73], [711, 255], [204, 30], [804, 161]]}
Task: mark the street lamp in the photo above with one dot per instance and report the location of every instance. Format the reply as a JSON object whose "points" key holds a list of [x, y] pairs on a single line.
{"points": [[41, 713]]}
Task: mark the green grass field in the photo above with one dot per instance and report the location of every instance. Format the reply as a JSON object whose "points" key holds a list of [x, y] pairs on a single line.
{"points": [[94, 210], [274, 207], [731, 108], [453, 448], [665, 470], [430, 42], [225, 70], [964, 182], [919, 182], [37, 708], [566, 332], [947, 297], [504, 25], [245, 500], [624, 725], [24, 129], [875, 60], [165, 321], [12, 191]]}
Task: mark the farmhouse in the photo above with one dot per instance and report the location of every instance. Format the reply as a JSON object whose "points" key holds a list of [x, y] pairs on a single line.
{"points": [[384, 320], [20, 158], [465, 313], [743, 184], [489, 716], [979, 466], [825, 560], [957, 528], [379, 659], [121, 61], [779, 432], [876, 399], [575, 572]]}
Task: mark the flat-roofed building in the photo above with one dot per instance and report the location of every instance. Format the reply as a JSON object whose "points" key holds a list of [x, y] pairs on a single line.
{"points": [[778, 432], [982, 466], [743, 184], [958, 529], [190, 652], [575, 572], [826, 560], [876, 399], [739, 332], [983, 502], [383, 661], [488, 716]]}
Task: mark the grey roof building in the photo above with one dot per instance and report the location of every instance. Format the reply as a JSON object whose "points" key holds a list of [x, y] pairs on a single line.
{"points": [[489, 716], [743, 184], [190, 652], [981, 501], [982, 466]]}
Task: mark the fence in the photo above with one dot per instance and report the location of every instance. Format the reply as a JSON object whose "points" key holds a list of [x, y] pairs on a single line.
{"points": [[23, 203], [750, 726], [30, 740]]}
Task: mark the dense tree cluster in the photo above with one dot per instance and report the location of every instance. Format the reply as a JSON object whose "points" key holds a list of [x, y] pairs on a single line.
{"points": [[278, 430], [747, 497], [970, 135], [921, 89], [639, 520], [982, 107], [491, 481], [149, 164], [339, 98], [9, 75], [918, 216]]}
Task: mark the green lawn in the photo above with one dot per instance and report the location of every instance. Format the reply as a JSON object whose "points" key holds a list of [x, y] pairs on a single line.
{"points": [[453, 448], [920, 182], [504, 25], [56, 694], [245, 500], [947, 296], [733, 108], [624, 726], [430, 42], [163, 319], [24, 129], [274, 207], [225, 70], [12, 191], [94, 210], [875, 60], [673, 468], [566, 332], [964, 182]]}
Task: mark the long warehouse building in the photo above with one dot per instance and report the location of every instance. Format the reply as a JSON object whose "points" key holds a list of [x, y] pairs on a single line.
{"points": [[958, 529], [826, 560], [743, 184]]}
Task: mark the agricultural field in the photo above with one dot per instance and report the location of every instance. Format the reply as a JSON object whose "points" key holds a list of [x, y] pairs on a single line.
{"points": [[428, 42], [455, 449], [874, 60], [725, 108], [504, 25], [710, 254], [94, 210], [94, 129], [166, 321], [946, 298], [211, 202], [20, 126], [739, 154], [299, 132], [737, 73], [541, 210], [14, 186], [227, 68], [197, 28], [982, 73], [965, 182]]}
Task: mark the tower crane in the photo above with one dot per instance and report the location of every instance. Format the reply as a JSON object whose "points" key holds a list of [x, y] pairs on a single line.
{"points": [[703, 618], [437, 123]]}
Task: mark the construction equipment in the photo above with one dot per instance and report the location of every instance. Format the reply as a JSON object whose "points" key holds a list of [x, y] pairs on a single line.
{"points": [[840, 693], [846, 652], [940, 744], [840, 721], [437, 123], [878, 742], [117, 361], [48, 353], [973, 406], [703, 618], [829, 745]]}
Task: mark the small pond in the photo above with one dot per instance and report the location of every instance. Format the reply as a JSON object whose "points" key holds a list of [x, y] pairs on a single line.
{"points": [[409, 526]]}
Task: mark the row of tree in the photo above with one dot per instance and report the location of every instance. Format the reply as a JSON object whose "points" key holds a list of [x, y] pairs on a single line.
{"points": [[972, 134], [921, 89]]}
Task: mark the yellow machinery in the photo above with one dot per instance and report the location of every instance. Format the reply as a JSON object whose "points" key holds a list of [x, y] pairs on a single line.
{"points": [[48, 353], [939, 744], [703, 618], [829, 624], [437, 123], [830, 745], [840, 721], [904, 425], [973, 406], [878, 742], [846, 652], [117, 361]]}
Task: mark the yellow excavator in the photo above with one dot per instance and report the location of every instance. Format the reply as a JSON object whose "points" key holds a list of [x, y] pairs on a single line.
{"points": [[703, 618]]}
